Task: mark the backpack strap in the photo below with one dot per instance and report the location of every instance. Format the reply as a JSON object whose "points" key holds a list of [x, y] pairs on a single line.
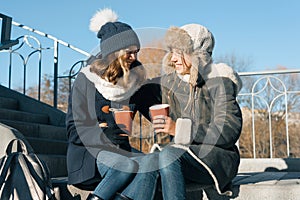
{"points": [[44, 181], [6, 160], [23, 163], [25, 160], [21, 147], [4, 166]]}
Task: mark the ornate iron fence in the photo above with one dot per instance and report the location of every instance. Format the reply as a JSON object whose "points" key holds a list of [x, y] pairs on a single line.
{"points": [[49, 61], [270, 102]]}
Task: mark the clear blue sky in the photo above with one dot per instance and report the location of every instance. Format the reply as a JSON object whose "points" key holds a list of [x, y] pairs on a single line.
{"points": [[264, 31]]}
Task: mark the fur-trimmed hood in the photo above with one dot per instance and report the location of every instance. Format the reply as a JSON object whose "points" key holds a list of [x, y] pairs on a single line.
{"points": [[223, 70], [190, 38], [195, 40], [218, 70], [119, 91]]}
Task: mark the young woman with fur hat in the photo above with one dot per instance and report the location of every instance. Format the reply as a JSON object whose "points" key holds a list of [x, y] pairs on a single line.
{"points": [[205, 118], [98, 156]]}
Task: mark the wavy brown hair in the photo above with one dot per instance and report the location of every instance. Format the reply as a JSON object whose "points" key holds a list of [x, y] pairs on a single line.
{"points": [[110, 68]]}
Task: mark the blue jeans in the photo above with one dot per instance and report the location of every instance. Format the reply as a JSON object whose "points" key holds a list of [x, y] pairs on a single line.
{"points": [[143, 186], [176, 167], [116, 171]]}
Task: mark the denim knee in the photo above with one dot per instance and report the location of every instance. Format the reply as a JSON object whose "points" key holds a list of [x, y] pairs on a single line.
{"points": [[117, 161], [129, 166], [169, 155]]}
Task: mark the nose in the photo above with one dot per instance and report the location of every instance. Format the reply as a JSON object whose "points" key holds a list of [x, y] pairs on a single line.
{"points": [[133, 56], [174, 57]]}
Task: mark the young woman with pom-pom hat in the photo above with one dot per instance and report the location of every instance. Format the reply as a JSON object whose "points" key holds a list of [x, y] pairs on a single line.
{"points": [[99, 156]]}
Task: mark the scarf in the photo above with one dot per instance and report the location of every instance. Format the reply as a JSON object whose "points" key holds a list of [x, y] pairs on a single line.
{"points": [[119, 91]]}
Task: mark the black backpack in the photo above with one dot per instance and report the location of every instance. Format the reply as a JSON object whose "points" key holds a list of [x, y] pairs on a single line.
{"points": [[24, 175]]}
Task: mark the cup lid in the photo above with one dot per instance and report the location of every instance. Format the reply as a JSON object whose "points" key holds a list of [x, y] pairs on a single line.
{"points": [[159, 106]]}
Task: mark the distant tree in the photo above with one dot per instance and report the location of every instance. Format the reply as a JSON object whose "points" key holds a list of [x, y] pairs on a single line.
{"points": [[46, 95], [238, 63], [63, 94]]}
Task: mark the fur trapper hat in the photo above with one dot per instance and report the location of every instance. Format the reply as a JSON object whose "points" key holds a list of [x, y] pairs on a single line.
{"points": [[195, 40], [114, 35]]}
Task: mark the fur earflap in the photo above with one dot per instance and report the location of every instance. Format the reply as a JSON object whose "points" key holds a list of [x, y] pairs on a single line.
{"points": [[101, 17]]}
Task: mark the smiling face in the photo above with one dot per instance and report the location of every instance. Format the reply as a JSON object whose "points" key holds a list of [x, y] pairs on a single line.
{"points": [[182, 62], [128, 56]]}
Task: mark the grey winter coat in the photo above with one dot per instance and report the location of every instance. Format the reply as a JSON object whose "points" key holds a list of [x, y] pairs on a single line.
{"points": [[216, 119], [85, 136]]}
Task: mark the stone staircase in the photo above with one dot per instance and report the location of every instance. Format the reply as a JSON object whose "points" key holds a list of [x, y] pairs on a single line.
{"points": [[42, 128], [40, 124]]}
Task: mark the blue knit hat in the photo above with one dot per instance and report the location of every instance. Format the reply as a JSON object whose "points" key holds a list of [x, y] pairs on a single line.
{"points": [[114, 35]]}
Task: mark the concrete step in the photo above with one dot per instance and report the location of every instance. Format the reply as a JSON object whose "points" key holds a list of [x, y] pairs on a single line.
{"points": [[269, 165], [270, 189], [31, 105], [261, 185], [57, 164], [268, 192], [47, 146], [38, 130], [8, 103], [16, 115]]}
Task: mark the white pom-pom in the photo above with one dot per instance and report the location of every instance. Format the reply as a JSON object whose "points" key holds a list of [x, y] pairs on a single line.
{"points": [[102, 17]]}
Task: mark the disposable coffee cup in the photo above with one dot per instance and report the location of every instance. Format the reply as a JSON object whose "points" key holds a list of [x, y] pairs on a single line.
{"points": [[124, 119], [159, 109]]}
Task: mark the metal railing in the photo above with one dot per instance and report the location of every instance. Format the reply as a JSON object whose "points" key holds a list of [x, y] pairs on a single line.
{"points": [[270, 102], [34, 47], [269, 99]]}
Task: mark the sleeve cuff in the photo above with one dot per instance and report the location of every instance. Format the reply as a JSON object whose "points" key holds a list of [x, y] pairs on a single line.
{"points": [[183, 131]]}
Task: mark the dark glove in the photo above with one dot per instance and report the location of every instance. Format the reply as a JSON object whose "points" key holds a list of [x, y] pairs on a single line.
{"points": [[113, 134]]}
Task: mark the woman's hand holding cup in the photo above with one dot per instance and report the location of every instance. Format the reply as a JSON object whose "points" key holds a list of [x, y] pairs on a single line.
{"points": [[163, 124]]}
